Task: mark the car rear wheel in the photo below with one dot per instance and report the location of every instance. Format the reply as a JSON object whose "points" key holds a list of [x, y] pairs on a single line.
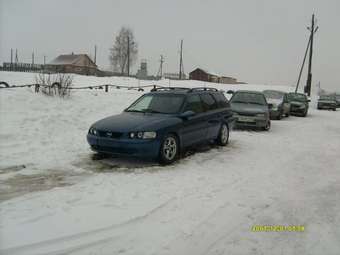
{"points": [[169, 149], [223, 136]]}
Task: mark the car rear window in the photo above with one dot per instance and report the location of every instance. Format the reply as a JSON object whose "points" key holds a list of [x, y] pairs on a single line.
{"points": [[209, 102]]}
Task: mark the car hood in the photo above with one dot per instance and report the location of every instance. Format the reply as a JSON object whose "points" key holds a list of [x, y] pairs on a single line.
{"points": [[248, 108], [274, 102], [297, 103], [132, 121], [327, 101]]}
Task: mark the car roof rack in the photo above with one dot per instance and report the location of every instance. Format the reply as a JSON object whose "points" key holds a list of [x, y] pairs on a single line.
{"points": [[203, 89], [183, 89], [173, 88]]}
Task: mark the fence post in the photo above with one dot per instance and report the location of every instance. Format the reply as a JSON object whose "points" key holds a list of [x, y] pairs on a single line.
{"points": [[106, 88], [36, 88]]}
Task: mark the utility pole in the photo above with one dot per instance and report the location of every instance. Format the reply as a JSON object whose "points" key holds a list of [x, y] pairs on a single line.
{"points": [[32, 58], [309, 77], [128, 56], [95, 54], [16, 56], [44, 59], [160, 70], [181, 62]]}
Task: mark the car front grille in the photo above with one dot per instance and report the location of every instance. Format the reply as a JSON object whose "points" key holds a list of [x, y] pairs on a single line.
{"points": [[109, 134], [114, 150], [246, 114]]}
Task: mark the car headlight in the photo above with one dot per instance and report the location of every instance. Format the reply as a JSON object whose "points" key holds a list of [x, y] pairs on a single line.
{"points": [[143, 135], [93, 131], [261, 115]]}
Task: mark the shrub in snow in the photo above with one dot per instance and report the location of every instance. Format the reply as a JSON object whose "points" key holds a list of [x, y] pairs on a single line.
{"points": [[55, 84]]}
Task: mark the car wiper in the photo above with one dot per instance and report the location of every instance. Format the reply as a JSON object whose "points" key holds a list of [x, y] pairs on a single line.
{"points": [[255, 103], [133, 111], [150, 111]]}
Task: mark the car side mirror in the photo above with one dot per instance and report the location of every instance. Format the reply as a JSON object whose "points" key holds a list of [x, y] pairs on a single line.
{"points": [[270, 106], [187, 114], [230, 92]]}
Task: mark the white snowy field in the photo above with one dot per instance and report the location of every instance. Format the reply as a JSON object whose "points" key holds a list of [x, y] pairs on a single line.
{"points": [[206, 203]]}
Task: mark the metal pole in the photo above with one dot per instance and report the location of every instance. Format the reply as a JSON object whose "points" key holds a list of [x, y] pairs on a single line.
{"points": [[303, 64], [180, 62], [128, 56], [309, 78]]}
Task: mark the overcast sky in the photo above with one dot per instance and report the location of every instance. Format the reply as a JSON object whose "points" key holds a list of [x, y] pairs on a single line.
{"points": [[256, 41]]}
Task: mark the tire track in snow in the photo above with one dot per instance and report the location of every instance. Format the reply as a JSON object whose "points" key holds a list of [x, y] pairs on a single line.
{"points": [[80, 240]]}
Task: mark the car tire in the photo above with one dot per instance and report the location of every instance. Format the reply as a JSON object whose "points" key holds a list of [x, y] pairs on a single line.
{"points": [[223, 135], [169, 149], [305, 113], [267, 126], [279, 117]]}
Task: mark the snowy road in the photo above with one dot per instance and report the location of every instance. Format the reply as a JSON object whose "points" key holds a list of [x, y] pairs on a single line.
{"points": [[206, 203]]}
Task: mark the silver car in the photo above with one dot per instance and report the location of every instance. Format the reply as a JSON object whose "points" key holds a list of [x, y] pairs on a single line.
{"points": [[279, 100], [250, 109]]}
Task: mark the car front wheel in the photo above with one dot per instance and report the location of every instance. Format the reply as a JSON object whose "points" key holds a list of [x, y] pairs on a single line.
{"points": [[169, 149], [267, 126], [223, 136]]}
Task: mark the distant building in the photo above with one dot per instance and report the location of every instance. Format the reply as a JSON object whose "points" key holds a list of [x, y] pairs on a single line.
{"points": [[203, 75], [73, 63], [174, 76]]}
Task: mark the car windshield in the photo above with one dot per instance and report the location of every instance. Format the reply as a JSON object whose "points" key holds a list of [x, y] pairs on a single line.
{"points": [[297, 97], [157, 103], [272, 94], [248, 98], [327, 97]]}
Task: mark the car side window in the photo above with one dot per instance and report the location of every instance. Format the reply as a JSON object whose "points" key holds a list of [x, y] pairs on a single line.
{"points": [[194, 104], [209, 102]]}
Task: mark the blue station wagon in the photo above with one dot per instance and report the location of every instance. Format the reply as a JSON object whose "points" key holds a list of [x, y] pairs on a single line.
{"points": [[161, 124]]}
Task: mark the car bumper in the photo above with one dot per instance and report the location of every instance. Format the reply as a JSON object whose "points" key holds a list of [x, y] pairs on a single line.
{"points": [[326, 106], [248, 121], [125, 147], [298, 111], [274, 114]]}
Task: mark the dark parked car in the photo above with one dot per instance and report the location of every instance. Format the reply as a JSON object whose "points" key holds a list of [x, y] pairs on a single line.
{"points": [[250, 109], [279, 100], [299, 104], [337, 98], [327, 102], [160, 124]]}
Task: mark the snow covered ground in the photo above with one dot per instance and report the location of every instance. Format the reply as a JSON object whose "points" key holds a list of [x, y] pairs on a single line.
{"points": [[206, 203]]}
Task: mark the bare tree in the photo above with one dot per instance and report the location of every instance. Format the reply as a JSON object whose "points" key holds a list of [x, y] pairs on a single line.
{"points": [[55, 84], [124, 46]]}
